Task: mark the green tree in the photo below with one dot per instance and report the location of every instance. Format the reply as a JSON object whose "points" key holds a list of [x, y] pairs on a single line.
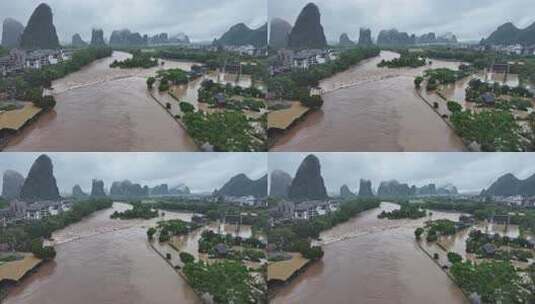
{"points": [[186, 107], [454, 257], [454, 107], [495, 131], [227, 282], [418, 232], [150, 82], [418, 82], [186, 258], [494, 281], [151, 232]]}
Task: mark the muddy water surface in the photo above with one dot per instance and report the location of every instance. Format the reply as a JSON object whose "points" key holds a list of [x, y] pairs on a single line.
{"points": [[104, 109], [369, 260], [372, 109], [101, 260]]}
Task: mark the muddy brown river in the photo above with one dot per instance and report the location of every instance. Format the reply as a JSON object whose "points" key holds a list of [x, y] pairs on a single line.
{"points": [[100, 260], [372, 109], [373, 261], [104, 109]]}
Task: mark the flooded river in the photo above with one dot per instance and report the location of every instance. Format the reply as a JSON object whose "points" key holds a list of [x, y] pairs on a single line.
{"points": [[101, 260], [369, 260], [367, 108], [104, 109]]}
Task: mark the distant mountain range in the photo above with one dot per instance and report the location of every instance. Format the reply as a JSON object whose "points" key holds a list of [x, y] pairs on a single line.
{"points": [[11, 32], [280, 184], [508, 34], [345, 41], [127, 38], [279, 34], [394, 188], [240, 34], [393, 37], [510, 185], [242, 185]]}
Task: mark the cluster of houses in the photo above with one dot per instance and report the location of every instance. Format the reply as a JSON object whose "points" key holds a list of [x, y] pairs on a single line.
{"points": [[243, 201], [515, 49], [19, 60], [306, 210], [19, 210], [245, 50], [288, 60], [515, 200]]}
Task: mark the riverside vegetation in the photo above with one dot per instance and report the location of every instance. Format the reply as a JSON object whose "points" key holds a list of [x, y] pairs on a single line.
{"points": [[491, 273], [28, 237], [493, 124], [296, 85], [30, 85], [222, 274], [296, 236]]}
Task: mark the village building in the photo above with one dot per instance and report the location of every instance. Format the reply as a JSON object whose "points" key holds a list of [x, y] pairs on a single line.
{"points": [[19, 59], [488, 99], [489, 249], [221, 250], [310, 209], [245, 50], [43, 209], [288, 60]]}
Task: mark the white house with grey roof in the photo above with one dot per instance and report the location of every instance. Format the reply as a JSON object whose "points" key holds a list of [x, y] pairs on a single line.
{"points": [[43, 209], [309, 209]]}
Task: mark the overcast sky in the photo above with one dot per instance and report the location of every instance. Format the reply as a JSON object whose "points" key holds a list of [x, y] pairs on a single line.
{"points": [[202, 172], [202, 20], [469, 20], [469, 172]]}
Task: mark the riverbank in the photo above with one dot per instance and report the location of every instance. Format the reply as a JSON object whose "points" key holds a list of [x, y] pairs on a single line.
{"points": [[430, 255], [443, 116], [15, 271], [178, 270], [12, 123], [281, 121], [173, 115]]}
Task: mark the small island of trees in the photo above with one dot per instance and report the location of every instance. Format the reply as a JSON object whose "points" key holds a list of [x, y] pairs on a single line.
{"points": [[138, 211], [138, 60], [406, 211]]}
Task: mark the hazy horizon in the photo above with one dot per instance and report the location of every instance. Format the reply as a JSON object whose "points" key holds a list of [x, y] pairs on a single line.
{"points": [[469, 172], [469, 20], [201, 172], [202, 21]]}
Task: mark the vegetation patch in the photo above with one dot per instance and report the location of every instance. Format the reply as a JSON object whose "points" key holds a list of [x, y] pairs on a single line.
{"points": [[138, 211], [407, 59], [138, 60], [406, 211]]}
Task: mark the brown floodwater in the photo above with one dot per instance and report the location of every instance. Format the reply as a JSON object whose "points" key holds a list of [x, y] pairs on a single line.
{"points": [[372, 109], [101, 260], [369, 260], [104, 109]]}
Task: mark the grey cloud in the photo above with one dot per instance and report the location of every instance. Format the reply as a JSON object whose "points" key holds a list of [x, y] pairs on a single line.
{"points": [[202, 20], [201, 172], [468, 171], [470, 20]]}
